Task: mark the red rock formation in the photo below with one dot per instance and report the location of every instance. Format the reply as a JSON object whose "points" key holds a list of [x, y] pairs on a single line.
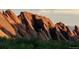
{"points": [[76, 30], [5, 24], [67, 33], [47, 24], [28, 25], [26, 19], [2, 34], [17, 24], [13, 16], [39, 26]]}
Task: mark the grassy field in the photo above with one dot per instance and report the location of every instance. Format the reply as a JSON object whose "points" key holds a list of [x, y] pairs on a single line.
{"points": [[36, 44]]}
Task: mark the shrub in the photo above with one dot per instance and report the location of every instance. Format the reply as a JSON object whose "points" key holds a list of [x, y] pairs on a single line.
{"points": [[35, 43]]}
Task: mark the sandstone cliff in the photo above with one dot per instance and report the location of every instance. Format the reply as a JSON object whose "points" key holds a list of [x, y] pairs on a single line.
{"points": [[28, 25]]}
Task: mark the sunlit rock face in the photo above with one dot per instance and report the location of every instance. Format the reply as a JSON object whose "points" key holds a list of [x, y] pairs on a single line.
{"points": [[26, 19], [6, 26], [2, 34], [66, 32], [28, 25], [36, 26]]}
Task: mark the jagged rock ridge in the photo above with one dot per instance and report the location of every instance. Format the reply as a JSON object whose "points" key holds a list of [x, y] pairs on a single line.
{"points": [[28, 25]]}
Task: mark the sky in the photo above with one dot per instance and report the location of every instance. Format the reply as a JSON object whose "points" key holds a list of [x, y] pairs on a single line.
{"points": [[67, 16]]}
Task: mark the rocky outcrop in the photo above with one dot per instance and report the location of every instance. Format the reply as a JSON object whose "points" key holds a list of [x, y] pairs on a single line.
{"points": [[65, 31], [6, 27], [28, 25], [76, 32], [36, 26]]}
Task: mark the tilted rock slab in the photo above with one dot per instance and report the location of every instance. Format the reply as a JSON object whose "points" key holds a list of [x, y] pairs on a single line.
{"points": [[7, 27], [27, 25]]}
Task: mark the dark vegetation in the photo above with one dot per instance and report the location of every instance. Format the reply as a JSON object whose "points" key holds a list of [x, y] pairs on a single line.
{"points": [[16, 43]]}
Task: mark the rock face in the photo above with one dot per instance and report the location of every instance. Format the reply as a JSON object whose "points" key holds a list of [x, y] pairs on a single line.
{"points": [[6, 27], [28, 25], [65, 31]]}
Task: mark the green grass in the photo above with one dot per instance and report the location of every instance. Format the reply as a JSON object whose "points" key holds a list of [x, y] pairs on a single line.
{"points": [[36, 44]]}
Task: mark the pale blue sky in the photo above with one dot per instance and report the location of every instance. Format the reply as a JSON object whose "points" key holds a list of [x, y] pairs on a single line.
{"points": [[67, 16]]}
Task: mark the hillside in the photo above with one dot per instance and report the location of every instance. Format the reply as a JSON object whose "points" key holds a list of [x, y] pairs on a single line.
{"points": [[28, 25]]}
